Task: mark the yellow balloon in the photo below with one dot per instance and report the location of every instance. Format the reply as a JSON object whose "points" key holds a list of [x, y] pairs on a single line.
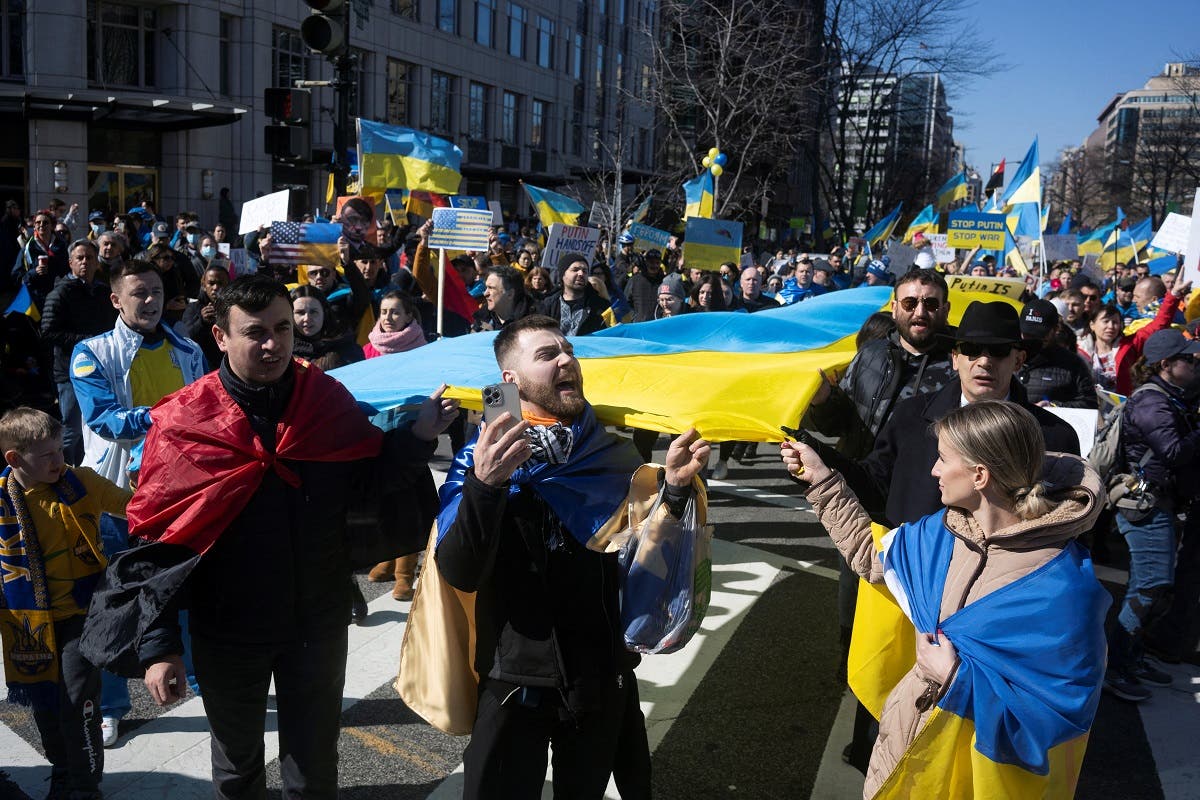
{"points": [[713, 152], [716, 170], [706, 161]]}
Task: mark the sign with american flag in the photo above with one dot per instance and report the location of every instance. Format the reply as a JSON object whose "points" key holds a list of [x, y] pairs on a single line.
{"points": [[310, 243]]}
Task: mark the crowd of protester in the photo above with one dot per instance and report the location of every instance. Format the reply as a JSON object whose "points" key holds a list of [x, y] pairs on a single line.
{"points": [[134, 308]]}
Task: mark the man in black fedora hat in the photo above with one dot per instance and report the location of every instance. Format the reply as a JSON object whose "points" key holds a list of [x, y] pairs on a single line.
{"points": [[893, 481]]}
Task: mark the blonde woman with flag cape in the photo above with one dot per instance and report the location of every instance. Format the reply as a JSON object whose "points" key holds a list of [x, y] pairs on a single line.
{"points": [[1008, 613]]}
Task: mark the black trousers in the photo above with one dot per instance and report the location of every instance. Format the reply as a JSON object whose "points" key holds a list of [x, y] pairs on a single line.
{"points": [[506, 758], [70, 727], [309, 679]]}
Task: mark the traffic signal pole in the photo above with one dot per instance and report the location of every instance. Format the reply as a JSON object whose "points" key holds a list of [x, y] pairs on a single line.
{"points": [[343, 64]]}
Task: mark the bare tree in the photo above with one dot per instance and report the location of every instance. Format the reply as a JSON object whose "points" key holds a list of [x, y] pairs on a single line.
{"points": [[1075, 182], [869, 46]]}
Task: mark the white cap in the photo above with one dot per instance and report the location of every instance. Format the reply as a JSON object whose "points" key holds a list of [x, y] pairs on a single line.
{"points": [[924, 260]]}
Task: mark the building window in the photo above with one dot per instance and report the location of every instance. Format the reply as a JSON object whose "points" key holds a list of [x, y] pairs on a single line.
{"points": [[400, 80], [485, 21], [441, 94], [360, 70], [225, 54], [645, 95], [510, 119], [577, 58], [545, 42], [407, 9], [537, 125], [619, 71], [477, 111], [12, 38], [447, 15], [290, 57], [517, 17], [121, 44]]}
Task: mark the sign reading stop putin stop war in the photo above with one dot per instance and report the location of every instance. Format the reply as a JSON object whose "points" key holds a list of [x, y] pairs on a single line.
{"points": [[968, 229]]}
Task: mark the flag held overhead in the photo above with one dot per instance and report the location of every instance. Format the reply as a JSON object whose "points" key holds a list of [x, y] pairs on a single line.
{"points": [[394, 157]]}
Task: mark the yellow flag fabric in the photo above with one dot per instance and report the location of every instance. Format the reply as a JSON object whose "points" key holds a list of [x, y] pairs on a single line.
{"points": [[883, 644]]}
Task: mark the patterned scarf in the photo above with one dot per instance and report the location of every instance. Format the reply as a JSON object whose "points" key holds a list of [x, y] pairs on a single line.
{"points": [[31, 667], [409, 338], [551, 444]]}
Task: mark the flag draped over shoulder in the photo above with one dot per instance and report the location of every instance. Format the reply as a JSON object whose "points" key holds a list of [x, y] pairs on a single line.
{"points": [[394, 157], [881, 230], [925, 222], [553, 207], [698, 196], [1015, 718], [954, 189]]}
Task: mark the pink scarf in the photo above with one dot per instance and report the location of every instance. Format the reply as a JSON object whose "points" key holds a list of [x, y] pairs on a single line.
{"points": [[408, 339]]}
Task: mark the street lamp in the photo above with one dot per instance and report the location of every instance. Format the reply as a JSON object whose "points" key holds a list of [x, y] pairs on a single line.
{"points": [[60, 176]]}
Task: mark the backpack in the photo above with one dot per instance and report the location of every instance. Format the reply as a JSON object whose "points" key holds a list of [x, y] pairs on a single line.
{"points": [[1105, 456]]}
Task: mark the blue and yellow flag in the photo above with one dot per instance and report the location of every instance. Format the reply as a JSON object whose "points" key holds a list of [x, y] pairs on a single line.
{"points": [[1093, 243], [880, 232], [925, 222], [1026, 184], [698, 196], [953, 189], [709, 243], [642, 210], [1015, 719], [553, 207], [313, 243], [394, 157], [23, 303], [1065, 228]]}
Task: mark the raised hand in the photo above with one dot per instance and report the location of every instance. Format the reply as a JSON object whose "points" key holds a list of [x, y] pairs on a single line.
{"points": [[687, 455]]}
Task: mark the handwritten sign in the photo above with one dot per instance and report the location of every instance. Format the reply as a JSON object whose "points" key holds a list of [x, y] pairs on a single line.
{"points": [[969, 229], [646, 237], [566, 239], [1007, 288], [263, 211], [942, 253], [460, 229]]}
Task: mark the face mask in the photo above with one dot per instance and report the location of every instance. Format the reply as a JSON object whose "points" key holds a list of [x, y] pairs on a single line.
{"points": [[193, 239], [97, 227], [208, 252]]}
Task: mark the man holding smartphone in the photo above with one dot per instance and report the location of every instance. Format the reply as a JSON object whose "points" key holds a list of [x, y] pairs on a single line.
{"points": [[523, 508]]}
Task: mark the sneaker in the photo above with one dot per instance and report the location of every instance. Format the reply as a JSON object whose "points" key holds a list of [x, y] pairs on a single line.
{"points": [[1125, 687], [1146, 673], [721, 470], [108, 731]]}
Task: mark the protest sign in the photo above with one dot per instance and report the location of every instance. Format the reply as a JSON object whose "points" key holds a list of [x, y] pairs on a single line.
{"points": [[497, 212], [709, 243], [240, 265], [1190, 271], [942, 252], [1173, 235], [460, 229], [476, 202], [645, 237], [1061, 248], [968, 229], [1009, 288], [901, 256], [565, 239], [1082, 420], [600, 216], [263, 211]]}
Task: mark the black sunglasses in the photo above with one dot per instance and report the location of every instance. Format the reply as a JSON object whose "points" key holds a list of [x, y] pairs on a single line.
{"points": [[931, 304], [973, 351]]}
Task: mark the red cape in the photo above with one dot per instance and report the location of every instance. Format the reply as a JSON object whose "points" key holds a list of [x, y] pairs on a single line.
{"points": [[203, 462]]}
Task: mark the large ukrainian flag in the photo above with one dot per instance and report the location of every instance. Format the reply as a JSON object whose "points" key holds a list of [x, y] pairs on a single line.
{"points": [[925, 222], [698, 196], [953, 189], [1015, 719], [393, 157], [553, 207]]}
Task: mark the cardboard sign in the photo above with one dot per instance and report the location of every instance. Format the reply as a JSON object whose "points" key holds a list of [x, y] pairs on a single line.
{"points": [[1190, 271], [1061, 248], [645, 237], [942, 252], [476, 202], [1084, 422], [1173, 235], [1009, 288], [497, 213], [600, 216], [262, 211], [968, 229], [565, 239], [460, 229], [709, 243]]}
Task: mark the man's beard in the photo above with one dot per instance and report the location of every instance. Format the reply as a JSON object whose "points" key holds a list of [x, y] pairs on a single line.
{"points": [[921, 339], [549, 400]]}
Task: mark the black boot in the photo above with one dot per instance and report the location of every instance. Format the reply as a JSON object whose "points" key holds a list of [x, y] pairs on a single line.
{"points": [[358, 604]]}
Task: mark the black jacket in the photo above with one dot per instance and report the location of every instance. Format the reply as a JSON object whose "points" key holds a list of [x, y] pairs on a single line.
{"points": [[593, 319], [881, 374], [1167, 425], [893, 482], [200, 331], [642, 293], [485, 320], [74, 311], [547, 615], [1060, 376]]}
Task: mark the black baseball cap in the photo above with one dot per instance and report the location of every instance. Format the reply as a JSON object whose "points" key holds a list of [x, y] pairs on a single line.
{"points": [[1167, 343], [1038, 319]]}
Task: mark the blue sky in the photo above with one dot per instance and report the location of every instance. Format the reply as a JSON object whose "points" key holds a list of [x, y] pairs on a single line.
{"points": [[1068, 59]]}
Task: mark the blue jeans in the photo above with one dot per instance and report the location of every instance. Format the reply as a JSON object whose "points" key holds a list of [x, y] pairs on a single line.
{"points": [[1151, 574], [114, 690]]}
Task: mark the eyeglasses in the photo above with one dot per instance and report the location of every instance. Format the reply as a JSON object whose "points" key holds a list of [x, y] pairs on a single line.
{"points": [[973, 351], [931, 304]]}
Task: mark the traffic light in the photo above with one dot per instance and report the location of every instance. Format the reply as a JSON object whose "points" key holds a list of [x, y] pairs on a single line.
{"points": [[288, 137], [324, 30], [288, 106], [287, 142]]}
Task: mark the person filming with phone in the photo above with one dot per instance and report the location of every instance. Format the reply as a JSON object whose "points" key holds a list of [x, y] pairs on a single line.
{"points": [[522, 509]]}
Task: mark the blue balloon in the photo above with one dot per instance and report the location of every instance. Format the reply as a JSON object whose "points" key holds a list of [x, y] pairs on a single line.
{"points": [[720, 159]]}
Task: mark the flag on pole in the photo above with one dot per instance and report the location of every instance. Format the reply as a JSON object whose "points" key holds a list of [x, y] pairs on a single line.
{"points": [[394, 157], [1045, 216], [1026, 185], [1065, 228], [880, 232], [1093, 243], [925, 222], [997, 179], [23, 304], [698, 196], [954, 189], [296, 243], [642, 210], [553, 207]]}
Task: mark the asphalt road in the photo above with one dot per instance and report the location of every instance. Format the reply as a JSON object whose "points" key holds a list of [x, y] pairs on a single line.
{"points": [[753, 708]]}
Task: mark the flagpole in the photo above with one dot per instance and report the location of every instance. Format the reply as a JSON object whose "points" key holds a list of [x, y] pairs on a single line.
{"points": [[441, 300]]}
